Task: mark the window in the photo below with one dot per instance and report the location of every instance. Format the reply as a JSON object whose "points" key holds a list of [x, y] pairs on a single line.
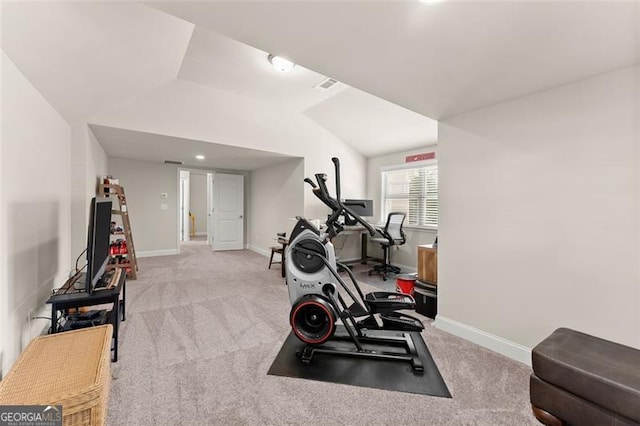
{"points": [[413, 191]]}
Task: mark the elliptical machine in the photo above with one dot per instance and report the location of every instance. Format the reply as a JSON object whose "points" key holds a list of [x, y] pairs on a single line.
{"points": [[317, 304]]}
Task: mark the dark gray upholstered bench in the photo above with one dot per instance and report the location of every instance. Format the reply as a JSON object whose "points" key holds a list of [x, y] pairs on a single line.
{"points": [[579, 379]]}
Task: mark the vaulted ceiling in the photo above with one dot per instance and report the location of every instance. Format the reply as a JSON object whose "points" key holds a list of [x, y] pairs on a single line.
{"points": [[401, 65], [436, 58]]}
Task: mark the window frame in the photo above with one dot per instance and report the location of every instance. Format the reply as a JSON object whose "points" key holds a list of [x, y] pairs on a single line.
{"points": [[415, 165]]}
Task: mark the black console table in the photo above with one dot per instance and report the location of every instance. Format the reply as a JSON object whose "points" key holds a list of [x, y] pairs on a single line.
{"points": [[68, 298]]}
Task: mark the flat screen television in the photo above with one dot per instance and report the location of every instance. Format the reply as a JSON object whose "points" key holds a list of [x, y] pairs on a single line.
{"points": [[98, 241]]}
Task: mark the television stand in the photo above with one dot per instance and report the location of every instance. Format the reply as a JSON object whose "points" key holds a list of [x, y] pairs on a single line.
{"points": [[86, 319], [67, 297], [79, 281]]}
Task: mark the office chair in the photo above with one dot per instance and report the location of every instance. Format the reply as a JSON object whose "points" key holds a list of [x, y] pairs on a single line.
{"points": [[392, 235]]}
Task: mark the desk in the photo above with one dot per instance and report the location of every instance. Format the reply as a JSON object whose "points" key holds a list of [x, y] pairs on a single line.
{"points": [[359, 229], [364, 241], [69, 298]]}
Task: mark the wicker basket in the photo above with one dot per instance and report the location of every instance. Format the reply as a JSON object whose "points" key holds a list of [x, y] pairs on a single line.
{"points": [[71, 369]]}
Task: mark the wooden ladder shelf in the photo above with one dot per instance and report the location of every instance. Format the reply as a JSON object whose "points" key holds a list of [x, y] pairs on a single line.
{"points": [[131, 265]]}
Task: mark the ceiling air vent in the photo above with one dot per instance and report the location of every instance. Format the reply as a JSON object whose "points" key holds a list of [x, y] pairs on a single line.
{"points": [[326, 84], [179, 163]]}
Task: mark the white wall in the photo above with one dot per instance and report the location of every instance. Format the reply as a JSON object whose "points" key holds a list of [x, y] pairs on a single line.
{"points": [[35, 204], [198, 201], [154, 229], [539, 212], [189, 110], [97, 164], [88, 164], [276, 197], [407, 254]]}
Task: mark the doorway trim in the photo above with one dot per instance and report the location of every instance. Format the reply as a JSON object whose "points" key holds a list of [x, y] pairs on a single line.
{"points": [[247, 178]]}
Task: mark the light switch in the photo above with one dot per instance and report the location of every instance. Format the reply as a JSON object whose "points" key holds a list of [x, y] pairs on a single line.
{"points": [[164, 206], [164, 195]]}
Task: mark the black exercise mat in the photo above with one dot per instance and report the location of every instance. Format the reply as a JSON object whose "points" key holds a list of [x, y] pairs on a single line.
{"points": [[371, 373]]}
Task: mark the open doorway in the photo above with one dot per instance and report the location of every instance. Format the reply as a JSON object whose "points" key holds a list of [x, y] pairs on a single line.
{"points": [[198, 207], [211, 209], [193, 207]]}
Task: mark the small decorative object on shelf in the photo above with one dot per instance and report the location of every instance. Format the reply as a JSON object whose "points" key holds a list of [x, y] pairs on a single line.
{"points": [[122, 249]]}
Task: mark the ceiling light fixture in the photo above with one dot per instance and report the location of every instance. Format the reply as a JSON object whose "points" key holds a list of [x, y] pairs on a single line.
{"points": [[200, 157], [281, 64]]}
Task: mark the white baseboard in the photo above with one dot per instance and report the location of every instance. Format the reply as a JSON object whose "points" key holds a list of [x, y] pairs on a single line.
{"points": [[259, 250], [497, 344], [154, 253]]}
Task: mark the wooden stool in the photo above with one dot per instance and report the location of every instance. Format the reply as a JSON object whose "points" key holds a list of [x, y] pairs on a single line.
{"points": [[282, 239], [280, 251]]}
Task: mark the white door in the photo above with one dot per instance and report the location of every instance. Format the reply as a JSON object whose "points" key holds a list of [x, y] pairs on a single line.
{"points": [[227, 212]]}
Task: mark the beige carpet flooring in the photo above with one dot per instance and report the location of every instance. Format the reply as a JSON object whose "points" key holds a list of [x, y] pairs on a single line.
{"points": [[203, 328]]}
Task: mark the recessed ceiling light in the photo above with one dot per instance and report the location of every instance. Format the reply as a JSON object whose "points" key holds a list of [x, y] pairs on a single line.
{"points": [[281, 64], [200, 157]]}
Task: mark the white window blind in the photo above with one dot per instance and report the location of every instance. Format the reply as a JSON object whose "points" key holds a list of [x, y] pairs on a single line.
{"points": [[413, 191]]}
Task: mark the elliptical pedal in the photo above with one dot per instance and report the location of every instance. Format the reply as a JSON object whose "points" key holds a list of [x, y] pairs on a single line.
{"points": [[400, 322], [388, 302]]}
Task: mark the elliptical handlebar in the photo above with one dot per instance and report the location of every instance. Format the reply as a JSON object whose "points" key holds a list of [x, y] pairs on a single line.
{"points": [[335, 204], [356, 216], [336, 165], [310, 182], [343, 208], [321, 178]]}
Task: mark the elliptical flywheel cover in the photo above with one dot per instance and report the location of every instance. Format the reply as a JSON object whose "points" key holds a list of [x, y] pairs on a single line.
{"points": [[307, 262], [313, 319]]}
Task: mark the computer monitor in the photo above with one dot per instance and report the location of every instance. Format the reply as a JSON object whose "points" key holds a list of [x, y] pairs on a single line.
{"points": [[98, 241], [364, 208]]}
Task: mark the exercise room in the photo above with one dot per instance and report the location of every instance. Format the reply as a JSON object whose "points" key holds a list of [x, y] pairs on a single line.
{"points": [[320, 213]]}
